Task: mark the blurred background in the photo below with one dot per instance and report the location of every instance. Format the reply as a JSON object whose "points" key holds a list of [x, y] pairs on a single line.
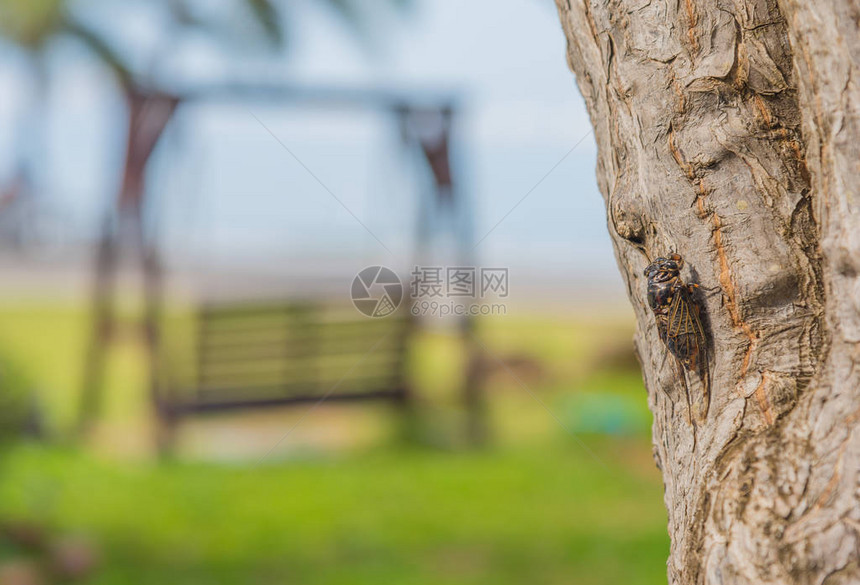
{"points": [[190, 191]]}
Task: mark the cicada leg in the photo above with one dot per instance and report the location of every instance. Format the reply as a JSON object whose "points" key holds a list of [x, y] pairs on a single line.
{"points": [[692, 288]]}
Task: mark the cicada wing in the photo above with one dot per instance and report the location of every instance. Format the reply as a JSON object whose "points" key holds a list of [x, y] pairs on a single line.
{"points": [[688, 340], [705, 375], [684, 331]]}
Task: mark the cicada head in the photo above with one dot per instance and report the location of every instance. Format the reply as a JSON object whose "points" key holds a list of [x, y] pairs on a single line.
{"points": [[664, 269]]}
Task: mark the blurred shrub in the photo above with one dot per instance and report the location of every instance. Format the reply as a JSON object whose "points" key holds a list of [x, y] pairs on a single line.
{"points": [[617, 355], [608, 413], [19, 414], [30, 22]]}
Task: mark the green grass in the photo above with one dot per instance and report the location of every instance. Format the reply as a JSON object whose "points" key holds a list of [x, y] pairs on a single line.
{"points": [[397, 516], [535, 507]]}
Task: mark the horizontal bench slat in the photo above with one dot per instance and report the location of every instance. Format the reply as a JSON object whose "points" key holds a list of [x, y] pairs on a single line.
{"points": [[266, 355], [185, 408]]}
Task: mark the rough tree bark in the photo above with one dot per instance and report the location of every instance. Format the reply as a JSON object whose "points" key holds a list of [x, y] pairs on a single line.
{"points": [[728, 131]]}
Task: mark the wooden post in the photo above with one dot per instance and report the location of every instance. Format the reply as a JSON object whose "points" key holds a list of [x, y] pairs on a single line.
{"points": [[148, 115], [432, 130]]}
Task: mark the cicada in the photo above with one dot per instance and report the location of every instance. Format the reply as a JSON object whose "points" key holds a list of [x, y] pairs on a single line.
{"points": [[679, 322]]}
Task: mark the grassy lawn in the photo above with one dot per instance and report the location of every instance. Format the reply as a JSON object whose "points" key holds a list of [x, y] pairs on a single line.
{"points": [[535, 507], [536, 515]]}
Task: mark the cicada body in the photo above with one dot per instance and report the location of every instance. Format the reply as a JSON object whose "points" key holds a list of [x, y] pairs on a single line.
{"points": [[679, 324]]}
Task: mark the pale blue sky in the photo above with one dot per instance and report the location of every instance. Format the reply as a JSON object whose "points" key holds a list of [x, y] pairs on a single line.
{"points": [[230, 191]]}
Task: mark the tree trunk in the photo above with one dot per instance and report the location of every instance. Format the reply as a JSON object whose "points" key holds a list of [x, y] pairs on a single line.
{"points": [[728, 132]]}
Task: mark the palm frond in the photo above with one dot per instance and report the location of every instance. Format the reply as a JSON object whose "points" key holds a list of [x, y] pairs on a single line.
{"points": [[102, 49], [219, 22], [268, 18]]}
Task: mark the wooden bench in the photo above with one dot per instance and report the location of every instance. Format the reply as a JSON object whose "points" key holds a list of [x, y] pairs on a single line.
{"points": [[251, 356]]}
